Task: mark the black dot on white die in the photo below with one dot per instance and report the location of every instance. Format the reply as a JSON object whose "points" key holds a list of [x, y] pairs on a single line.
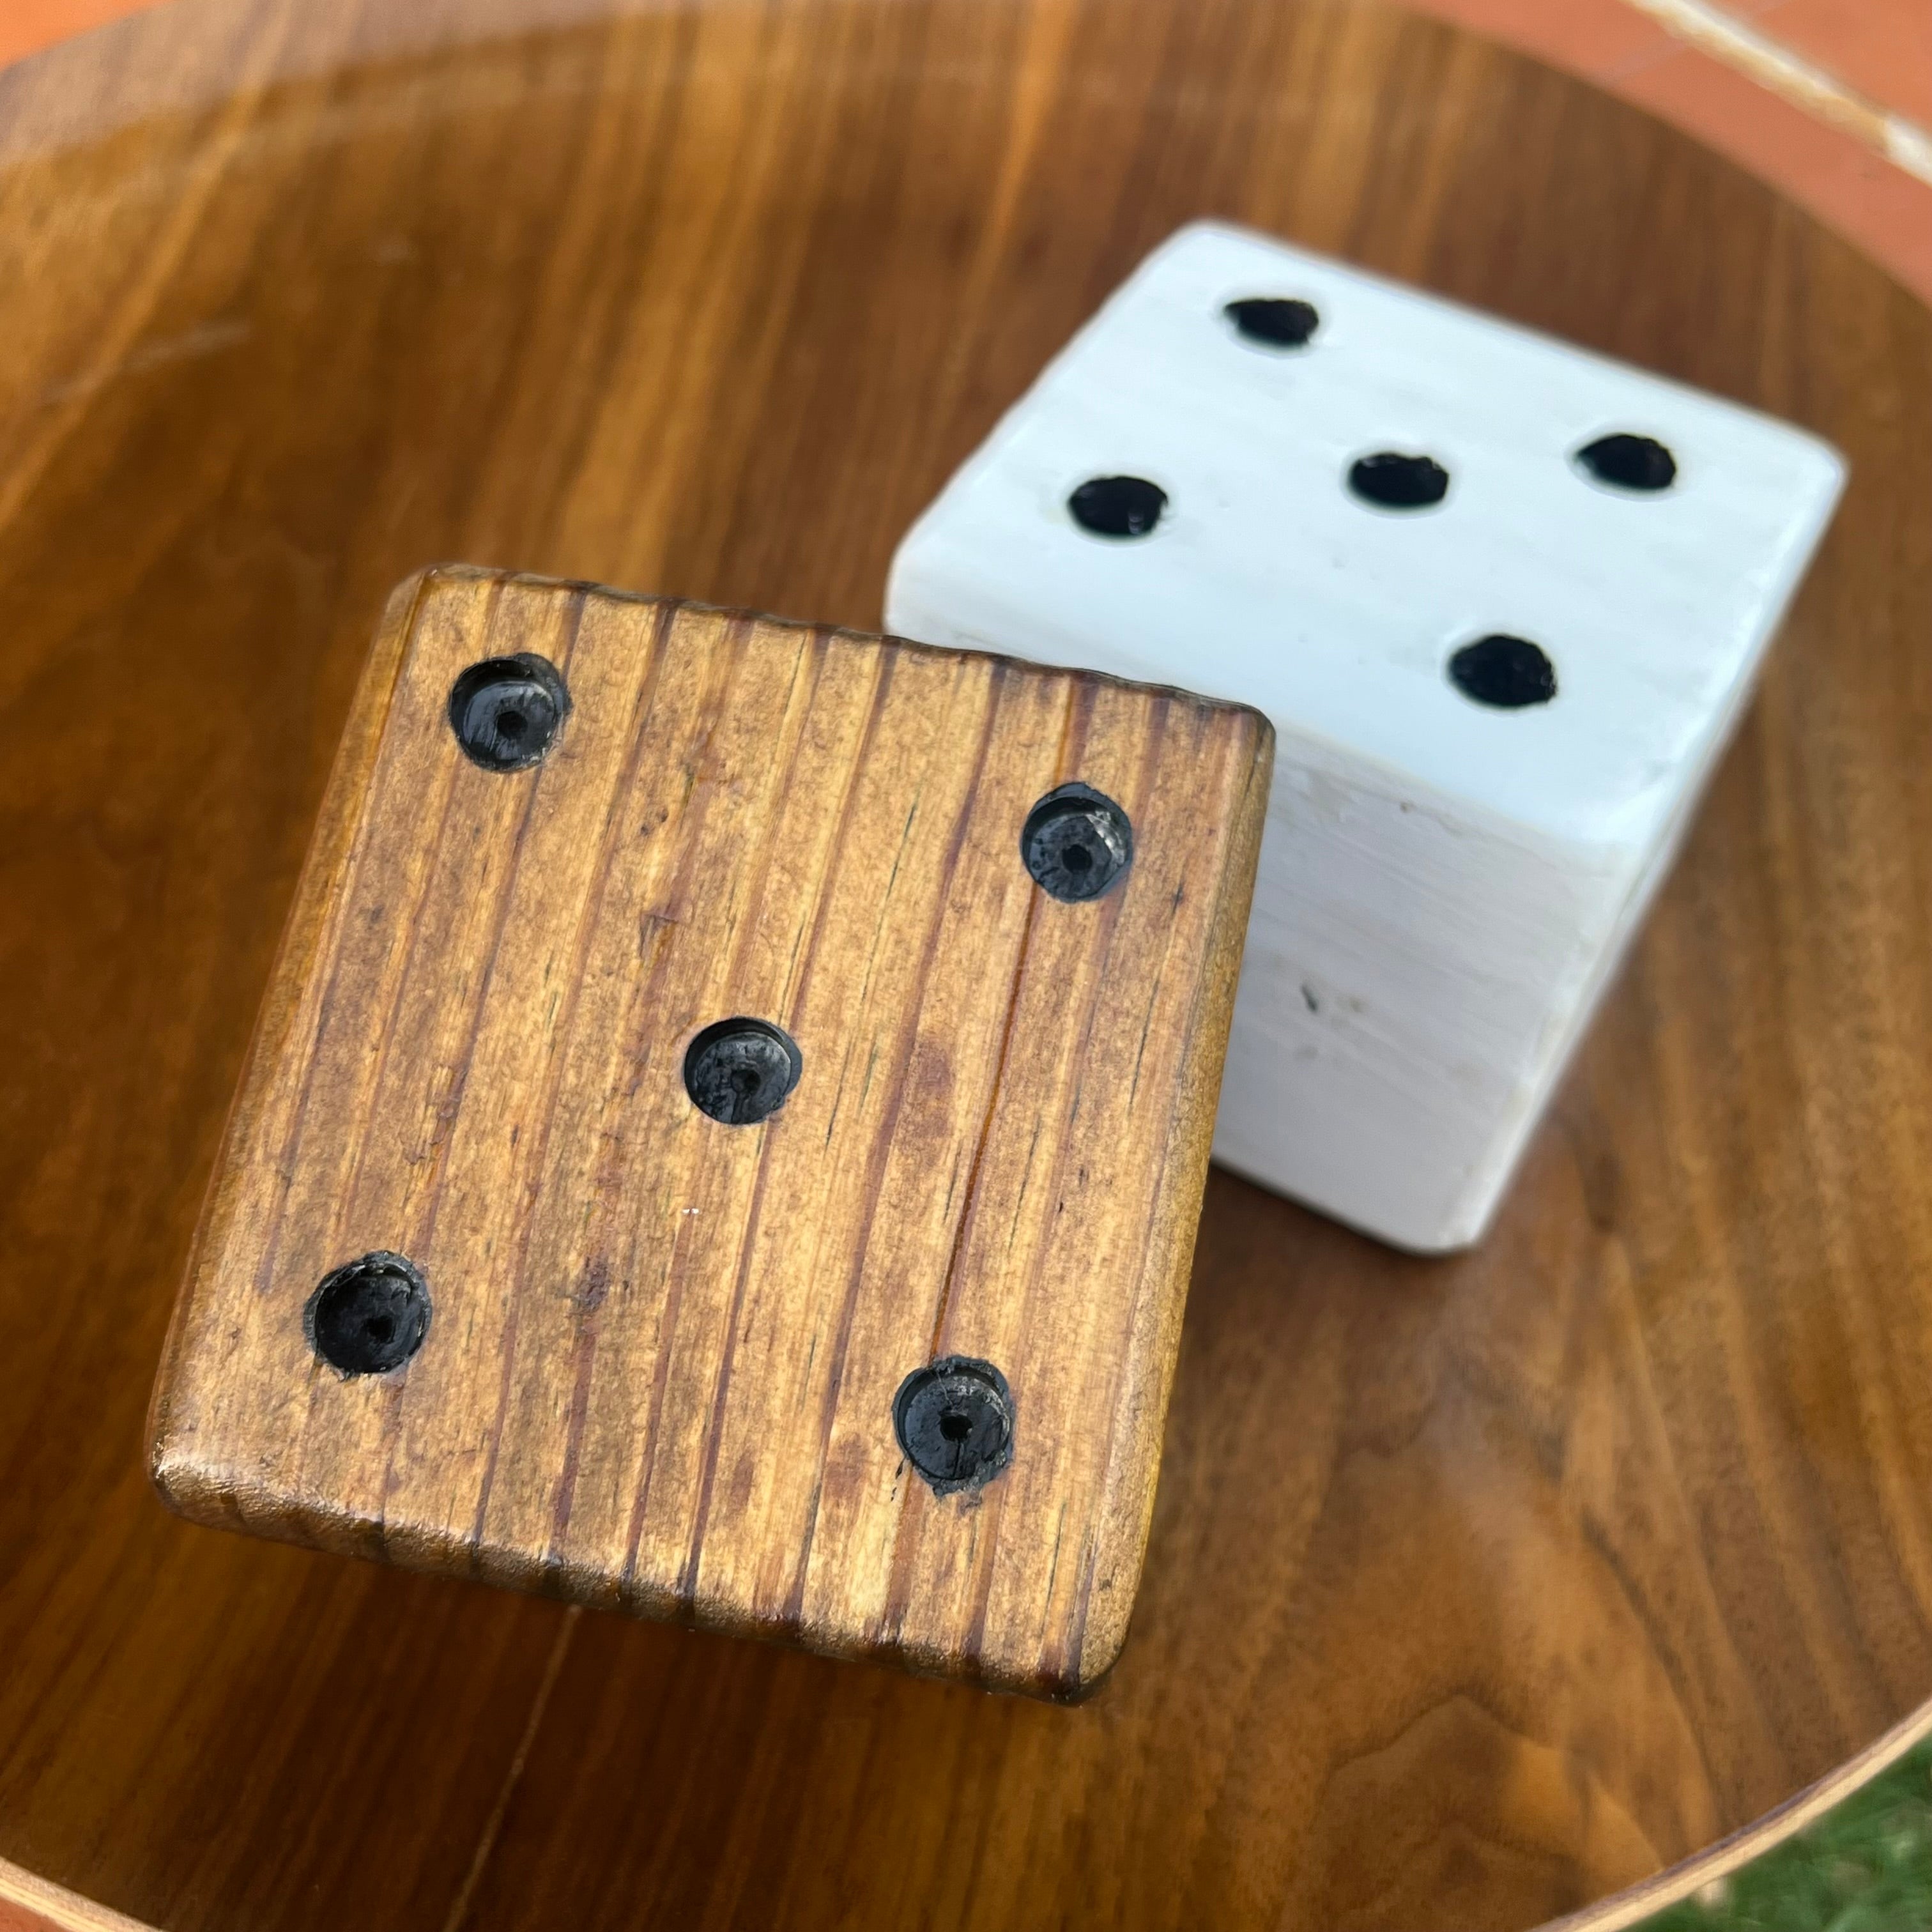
{"points": [[1505, 672], [742, 1070], [1117, 506], [370, 1316], [1273, 322], [954, 1419], [1077, 843], [1626, 461], [1394, 481], [506, 712]]}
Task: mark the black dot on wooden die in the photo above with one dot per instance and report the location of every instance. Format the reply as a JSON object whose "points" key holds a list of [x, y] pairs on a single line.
{"points": [[1629, 462], [1077, 843], [370, 1316], [1273, 322], [1117, 506], [741, 1071], [506, 711], [954, 1419], [1393, 481], [1505, 672]]}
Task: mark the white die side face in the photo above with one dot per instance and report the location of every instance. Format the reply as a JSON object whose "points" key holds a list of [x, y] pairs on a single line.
{"points": [[1445, 884]]}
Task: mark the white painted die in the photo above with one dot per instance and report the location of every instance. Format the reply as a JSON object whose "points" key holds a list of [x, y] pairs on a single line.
{"points": [[1446, 884]]}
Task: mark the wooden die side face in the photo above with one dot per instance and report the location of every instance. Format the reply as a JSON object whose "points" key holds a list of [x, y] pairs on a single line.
{"points": [[662, 1351]]}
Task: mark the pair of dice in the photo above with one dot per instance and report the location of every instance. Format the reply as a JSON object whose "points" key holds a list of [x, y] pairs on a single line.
{"points": [[726, 1131]]}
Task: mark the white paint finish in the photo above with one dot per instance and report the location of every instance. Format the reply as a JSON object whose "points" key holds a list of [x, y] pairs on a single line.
{"points": [[1444, 888]]}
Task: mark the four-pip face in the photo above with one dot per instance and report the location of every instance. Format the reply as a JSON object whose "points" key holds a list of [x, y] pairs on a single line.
{"points": [[726, 1133]]}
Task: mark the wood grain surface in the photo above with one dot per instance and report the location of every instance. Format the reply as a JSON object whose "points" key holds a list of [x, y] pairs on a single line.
{"points": [[659, 1355], [1477, 1589]]}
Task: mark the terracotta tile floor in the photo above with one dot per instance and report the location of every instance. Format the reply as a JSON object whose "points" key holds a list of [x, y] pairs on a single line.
{"points": [[1883, 47], [1800, 91], [1810, 94]]}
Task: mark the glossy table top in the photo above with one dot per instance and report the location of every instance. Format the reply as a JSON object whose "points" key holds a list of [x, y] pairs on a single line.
{"points": [[1478, 1588]]}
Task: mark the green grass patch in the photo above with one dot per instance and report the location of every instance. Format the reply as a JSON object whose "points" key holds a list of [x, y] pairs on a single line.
{"points": [[1865, 1866]]}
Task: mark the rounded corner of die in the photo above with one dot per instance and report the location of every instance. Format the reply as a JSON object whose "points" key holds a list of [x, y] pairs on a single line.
{"points": [[1835, 469], [1102, 1643], [175, 1473]]}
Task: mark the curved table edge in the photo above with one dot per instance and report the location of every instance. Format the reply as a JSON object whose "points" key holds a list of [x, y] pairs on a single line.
{"points": [[31, 1904], [1635, 1904]]}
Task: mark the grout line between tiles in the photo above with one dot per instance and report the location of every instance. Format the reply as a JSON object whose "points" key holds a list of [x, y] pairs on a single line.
{"points": [[1795, 80]]}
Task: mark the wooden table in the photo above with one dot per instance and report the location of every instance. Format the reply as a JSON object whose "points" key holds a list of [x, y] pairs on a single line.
{"points": [[1478, 1588]]}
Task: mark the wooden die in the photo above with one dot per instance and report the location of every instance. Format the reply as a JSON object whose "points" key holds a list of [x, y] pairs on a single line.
{"points": [[724, 1136]]}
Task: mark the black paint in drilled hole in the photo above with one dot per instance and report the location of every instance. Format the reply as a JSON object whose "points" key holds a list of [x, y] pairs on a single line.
{"points": [[505, 711], [1117, 506], [1275, 321], [1077, 843], [954, 1419], [741, 1071], [1629, 462], [369, 1316], [1394, 481], [1507, 672]]}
